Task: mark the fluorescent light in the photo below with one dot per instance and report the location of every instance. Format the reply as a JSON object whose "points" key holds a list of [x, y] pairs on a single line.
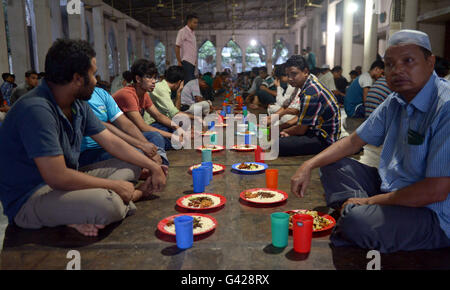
{"points": [[352, 7], [253, 42]]}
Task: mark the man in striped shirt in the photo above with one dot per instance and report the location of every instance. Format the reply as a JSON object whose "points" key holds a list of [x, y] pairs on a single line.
{"points": [[319, 123], [376, 95], [404, 205]]}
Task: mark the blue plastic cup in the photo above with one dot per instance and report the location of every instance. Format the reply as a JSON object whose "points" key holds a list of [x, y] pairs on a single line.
{"points": [[206, 177], [228, 109], [210, 166], [198, 178], [184, 231], [247, 139], [206, 155], [211, 125]]}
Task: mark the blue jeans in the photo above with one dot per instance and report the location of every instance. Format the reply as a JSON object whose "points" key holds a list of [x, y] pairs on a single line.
{"points": [[91, 156], [360, 112], [168, 144]]}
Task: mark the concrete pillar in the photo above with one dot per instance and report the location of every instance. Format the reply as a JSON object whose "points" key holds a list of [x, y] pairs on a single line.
{"points": [[411, 11], [122, 45], [347, 40], [220, 43], [56, 22], [269, 60], [77, 25], [331, 34], [99, 44], [316, 38], [4, 64], [18, 37], [42, 11], [370, 35]]}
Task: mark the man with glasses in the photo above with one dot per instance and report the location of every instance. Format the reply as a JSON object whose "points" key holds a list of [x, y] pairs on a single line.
{"points": [[134, 101]]}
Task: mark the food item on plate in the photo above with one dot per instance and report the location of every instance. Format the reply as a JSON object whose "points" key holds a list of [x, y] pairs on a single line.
{"points": [[319, 222], [201, 201], [201, 224], [250, 166], [264, 195]]}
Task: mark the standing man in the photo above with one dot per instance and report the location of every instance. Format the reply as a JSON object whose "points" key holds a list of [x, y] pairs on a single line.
{"points": [[186, 48], [31, 81], [403, 205]]}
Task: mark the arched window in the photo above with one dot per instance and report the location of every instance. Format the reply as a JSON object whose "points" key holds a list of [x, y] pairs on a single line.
{"points": [[112, 53], [280, 52], [160, 56], [131, 54], [255, 56], [232, 55], [207, 58]]}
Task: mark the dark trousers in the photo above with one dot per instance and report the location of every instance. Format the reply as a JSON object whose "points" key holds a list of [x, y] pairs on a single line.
{"points": [[189, 71], [92, 156], [167, 141], [380, 227], [301, 145], [265, 98]]}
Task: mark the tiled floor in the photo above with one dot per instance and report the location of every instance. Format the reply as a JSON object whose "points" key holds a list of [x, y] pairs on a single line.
{"points": [[241, 241]]}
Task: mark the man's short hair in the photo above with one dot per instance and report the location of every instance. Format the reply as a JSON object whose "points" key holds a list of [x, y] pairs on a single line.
{"points": [[377, 64], [143, 67], [30, 72], [336, 69], [353, 72], [5, 76], [41, 75], [191, 16], [263, 68], [255, 70], [128, 76], [67, 57], [174, 74], [280, 70], [297, 61]]}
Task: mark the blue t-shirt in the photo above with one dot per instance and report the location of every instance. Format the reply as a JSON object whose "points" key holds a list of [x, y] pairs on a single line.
{"points": [[36, 127], [106, 109], [406, 159]]}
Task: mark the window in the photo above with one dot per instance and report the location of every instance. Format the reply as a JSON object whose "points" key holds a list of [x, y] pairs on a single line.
{"points": [[255, 56], [280, 52], [232, 57], [160, 56], [207, 58]]}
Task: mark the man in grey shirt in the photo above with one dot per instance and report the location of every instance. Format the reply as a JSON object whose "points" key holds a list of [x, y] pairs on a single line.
{"points": [[31, 81], [192, 100]]}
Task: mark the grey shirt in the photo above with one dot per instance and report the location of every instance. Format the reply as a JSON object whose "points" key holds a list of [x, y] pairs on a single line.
{"points": [[21, 90], [189, 92]]}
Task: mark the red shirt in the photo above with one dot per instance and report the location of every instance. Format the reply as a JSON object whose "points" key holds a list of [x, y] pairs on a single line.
{"points": [[128, 100]]}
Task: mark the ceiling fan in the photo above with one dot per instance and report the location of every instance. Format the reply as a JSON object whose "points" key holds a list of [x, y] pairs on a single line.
{"points": [[309, 3]]}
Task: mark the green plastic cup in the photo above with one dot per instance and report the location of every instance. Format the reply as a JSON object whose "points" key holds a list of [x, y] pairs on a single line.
{"points": [[280, 229], [213, 139], [206, 155]]}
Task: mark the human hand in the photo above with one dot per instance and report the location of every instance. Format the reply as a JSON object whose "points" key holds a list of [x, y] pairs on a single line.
{"points": [[284, 134], [124, 189], [357, 201], [300, 180], [149, 149]]}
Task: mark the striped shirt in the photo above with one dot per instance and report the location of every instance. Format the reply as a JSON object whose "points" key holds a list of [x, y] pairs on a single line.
{"points": [[415, 138], [318, 109], [376, 95]]}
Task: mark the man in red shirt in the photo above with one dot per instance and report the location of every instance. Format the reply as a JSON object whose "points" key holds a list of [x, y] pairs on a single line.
{"points": [[134, 101]]}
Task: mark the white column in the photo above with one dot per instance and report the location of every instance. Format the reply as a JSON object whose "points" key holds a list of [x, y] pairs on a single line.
{"points": [[4, 64], [411, 11], [99, 44], [44, 23], [370, 35], [347, 40], [18, 37], [317, 39], [77, 25], [220, 43], [331, 34]]}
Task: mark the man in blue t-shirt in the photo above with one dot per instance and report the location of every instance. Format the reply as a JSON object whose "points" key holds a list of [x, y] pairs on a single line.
{"points": [[356, 95], [106, 109], [40, 185]]}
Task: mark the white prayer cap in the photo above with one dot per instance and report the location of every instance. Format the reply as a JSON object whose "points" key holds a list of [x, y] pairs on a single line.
{"points": [[408, 36], [325, 66]]}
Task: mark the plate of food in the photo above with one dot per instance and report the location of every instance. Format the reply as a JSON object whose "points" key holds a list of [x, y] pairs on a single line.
{"points": [[214, 148], [217, 168], [221, 125], [201, 201], [246, 133], [244, 147], [263, 195], [322, 221], [202, 224], [250, 167]]}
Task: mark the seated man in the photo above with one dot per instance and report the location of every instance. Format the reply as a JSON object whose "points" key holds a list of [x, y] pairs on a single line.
{"points": [[267, 91], [376, 95], [285, 92], [31, 81], [405, 204], [326, 78], [318, 124], [40, 185], [256, 84], [341, 84], [134, 100], [7, 87], [357, 91], [192, 100], [105, 108]]}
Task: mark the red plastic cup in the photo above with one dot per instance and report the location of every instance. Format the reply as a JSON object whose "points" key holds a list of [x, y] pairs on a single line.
{"points": [[259, 155], [272, 178], [302, 232]]}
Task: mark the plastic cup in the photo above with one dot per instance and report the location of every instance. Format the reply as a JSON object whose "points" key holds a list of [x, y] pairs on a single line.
{"points": [[259, 157], [207, 155], [272, 178], [211, 125], [206, 176], [213, 139], [302, 232], [247, 139], [198, 178], [184, 231], [280, 229], [228, 109], [210, 166]]}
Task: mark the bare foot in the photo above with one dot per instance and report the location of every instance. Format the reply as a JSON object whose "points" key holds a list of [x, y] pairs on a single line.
{"points": [[87, 229]]}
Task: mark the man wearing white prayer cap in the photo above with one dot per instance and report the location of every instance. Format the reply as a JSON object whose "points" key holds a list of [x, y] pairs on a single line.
{"points": [[404, 204]]}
